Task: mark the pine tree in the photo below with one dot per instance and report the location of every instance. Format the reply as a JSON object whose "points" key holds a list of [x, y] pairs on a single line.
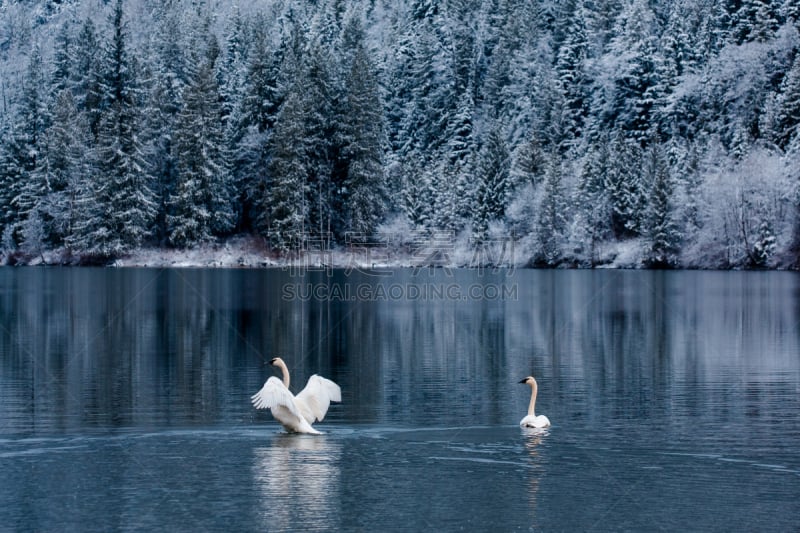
{"points": [[362, 141], [232, 81], [637, 84], [791, 12], [529, 164], [262, 97], [167, 75], [424, 96], [232, 68], [690, 179], [68, 159], [754, 20], [23, 154], [200, 206], [449, 201], [87, 76], [270, 74], [13, 162], [623, 184], [419, 195], [283, 208], [661, 231], [326, 170], [764, 246], [506, 58], [63, 61], [494, 187], [573, 81], [424, 9], [681, 43], [126, 202], [592, 204], [461, 141], [552, 223], [788, 119]]}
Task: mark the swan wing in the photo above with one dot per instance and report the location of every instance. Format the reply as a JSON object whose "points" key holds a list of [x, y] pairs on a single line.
{"points": [[274, 394], [315, 399]]}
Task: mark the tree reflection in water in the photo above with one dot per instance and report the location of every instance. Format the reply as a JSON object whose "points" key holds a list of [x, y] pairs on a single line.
{"points": [[533, 439]]}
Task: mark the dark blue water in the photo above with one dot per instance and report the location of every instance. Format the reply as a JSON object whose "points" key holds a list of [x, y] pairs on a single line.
{"points": [[674, 397]]}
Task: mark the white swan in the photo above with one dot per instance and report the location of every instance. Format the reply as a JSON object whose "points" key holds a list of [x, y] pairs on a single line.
{"points": [[531, 420], [297, 413]]}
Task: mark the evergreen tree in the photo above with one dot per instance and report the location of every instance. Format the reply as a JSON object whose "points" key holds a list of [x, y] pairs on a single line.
{"points": [[552, 223], [269, 75], [529, 164], [788, 118], [637, 85], [494, 187], [791, 12], [754, 20], [362, 139], [200, 206], [573, 82], [419, 195], [461, 142], [24, 147], [424, 97], [662, 231], [392, 114], [13, 160], [68, 160], [283, 208], [764, 246], [424, 9], [623, 184], [168, 75], [326, 170], [592, 205], [262, 94], [63, 61], [451, 203], [690, 179], [87, 76], [126, 206], [232, 76], [507, 57], [232, 70]]}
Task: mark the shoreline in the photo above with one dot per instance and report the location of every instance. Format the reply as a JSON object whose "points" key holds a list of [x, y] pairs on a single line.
{"points": [[245, 254]]}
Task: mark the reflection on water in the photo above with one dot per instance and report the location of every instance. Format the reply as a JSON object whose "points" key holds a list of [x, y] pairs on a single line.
{"points": [[124, 401], [532, 440], [297, 477]]}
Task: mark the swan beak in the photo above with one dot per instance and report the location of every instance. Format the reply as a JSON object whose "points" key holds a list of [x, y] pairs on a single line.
{"points": [[523, 380]]}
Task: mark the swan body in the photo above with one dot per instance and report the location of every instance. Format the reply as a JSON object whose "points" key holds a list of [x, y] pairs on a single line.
{"points": [[297, 413], [531, 420]]}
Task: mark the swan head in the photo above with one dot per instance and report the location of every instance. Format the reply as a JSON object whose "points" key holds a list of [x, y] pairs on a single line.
{"points": [[528, 380], [275, 361]]}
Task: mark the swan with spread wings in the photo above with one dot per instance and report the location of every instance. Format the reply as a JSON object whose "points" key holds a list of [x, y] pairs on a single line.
{"points": [[297, 413]]}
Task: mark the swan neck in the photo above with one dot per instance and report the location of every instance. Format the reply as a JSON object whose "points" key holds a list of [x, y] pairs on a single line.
{"points": [[532, 405], [285, 371]]}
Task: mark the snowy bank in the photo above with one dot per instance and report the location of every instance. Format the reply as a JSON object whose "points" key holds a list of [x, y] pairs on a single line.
{"points": [[252, 252]]}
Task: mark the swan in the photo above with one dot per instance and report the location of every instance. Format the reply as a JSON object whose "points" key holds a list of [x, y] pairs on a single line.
{"points": [[296, 413], [531, 420]]}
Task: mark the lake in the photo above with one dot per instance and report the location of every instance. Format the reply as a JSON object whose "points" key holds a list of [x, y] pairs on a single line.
{"points": [[674, 399]]}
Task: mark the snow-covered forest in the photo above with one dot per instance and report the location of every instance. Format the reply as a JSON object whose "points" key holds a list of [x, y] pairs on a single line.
{"points": [[665, 131]]}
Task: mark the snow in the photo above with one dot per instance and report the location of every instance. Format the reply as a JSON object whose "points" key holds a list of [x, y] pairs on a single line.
{"points": [[496, 60], [622, 254]]}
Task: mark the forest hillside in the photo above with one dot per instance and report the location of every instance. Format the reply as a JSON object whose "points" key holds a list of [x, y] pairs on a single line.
{"points": [[644, 133]]}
